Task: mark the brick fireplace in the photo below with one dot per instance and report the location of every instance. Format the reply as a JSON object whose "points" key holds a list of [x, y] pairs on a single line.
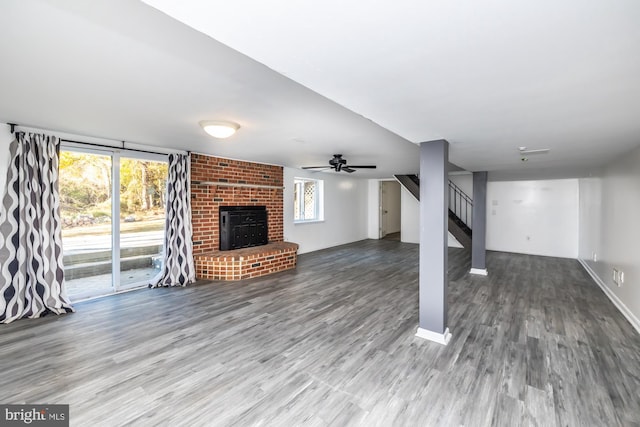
{"points": [[217, 182]]}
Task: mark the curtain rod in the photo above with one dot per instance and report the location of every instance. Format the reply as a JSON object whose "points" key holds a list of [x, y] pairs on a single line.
{"points": [[93, 144], [12, 128]]}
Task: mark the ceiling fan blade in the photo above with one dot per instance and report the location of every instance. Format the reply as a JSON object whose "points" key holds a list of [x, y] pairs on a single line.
{"points": [[348, 169], [363, 167], [316, 167], [538, 151]]}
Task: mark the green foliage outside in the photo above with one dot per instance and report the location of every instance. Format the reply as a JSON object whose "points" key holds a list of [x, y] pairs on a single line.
{"points": [[85, 189]]}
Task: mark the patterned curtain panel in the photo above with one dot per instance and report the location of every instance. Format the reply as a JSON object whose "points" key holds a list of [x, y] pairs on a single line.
{"points": [[31, 269], [178, 246]]}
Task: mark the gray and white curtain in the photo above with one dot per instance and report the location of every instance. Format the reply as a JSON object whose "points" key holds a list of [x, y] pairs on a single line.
{"points": [[31, 268], [178, 267]]}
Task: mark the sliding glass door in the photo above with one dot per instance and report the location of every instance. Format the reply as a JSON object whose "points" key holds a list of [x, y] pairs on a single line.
{"points": [[103, 255], [142, 197]]}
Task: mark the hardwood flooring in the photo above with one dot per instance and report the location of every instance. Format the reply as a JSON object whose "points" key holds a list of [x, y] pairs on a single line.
{"points": [[332, 343]]}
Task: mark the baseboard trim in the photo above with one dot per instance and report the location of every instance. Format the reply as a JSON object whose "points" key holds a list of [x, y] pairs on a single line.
{"points": [[434, 336], [479, 271], [635, 322]]}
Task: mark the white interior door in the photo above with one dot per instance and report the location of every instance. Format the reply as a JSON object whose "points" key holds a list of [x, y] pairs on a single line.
{"points": [[389, 208]]}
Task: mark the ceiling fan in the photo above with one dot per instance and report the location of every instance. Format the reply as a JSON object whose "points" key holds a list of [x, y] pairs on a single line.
{"points": [[339, 164]]}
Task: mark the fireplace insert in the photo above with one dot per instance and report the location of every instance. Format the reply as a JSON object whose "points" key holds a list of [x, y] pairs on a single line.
{"points": [[243, 227]]}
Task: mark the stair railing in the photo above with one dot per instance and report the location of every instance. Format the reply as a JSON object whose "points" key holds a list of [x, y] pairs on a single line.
{"points": [[460, 204]]}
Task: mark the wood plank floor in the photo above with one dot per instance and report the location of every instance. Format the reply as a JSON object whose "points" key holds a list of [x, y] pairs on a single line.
{"points": [[332, 343]]}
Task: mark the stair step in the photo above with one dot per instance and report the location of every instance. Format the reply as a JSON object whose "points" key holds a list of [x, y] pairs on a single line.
{"points": [[411, 183], [88, 269], [98, 256]]}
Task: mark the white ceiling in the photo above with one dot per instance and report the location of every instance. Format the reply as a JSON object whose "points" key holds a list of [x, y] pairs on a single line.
{"points": [[364, 79]]}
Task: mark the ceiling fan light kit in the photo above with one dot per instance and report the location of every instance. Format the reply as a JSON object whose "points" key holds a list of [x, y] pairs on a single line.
{"points": [[219, 129]]}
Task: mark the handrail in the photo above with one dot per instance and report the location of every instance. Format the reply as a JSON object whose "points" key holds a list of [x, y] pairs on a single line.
{"points": [[460, 204]]}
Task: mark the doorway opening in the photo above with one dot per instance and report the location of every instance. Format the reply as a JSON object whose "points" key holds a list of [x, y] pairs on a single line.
{"points": [[390, 210]]}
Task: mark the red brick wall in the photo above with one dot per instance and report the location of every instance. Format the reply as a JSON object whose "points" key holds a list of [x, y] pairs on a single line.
{"points": [[206, 199]]}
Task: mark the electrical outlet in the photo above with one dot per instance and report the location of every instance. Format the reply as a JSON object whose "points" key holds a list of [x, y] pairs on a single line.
{"points": [[618, 277]]}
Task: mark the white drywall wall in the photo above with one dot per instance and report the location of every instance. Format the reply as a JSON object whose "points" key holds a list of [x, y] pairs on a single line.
{"points": [[533, 217], [463, 181], [5, 139], [410, 219], [345, 211], [373, 209], [610, 230]]}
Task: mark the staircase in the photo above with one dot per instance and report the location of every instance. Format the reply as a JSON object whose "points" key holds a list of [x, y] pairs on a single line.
{"points": [[460, 207], [411, 183]]}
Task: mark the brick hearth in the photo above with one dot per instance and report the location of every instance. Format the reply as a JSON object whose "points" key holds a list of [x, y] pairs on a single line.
{"points": [[247, 262]]}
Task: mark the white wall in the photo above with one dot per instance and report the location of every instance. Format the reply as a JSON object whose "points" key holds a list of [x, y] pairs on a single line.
{"points": [[590, 222], [609, 228], [464, 181], [544, 211], [409, 217], [345, 211], [5, 139], [373, 209], [533, 217]]}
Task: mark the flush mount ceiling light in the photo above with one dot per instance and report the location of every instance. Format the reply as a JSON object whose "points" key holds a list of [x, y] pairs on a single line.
{"points": [[219, 129]]}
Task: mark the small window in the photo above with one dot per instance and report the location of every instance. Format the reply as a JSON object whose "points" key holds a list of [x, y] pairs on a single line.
{"points": [[307, 198]]}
